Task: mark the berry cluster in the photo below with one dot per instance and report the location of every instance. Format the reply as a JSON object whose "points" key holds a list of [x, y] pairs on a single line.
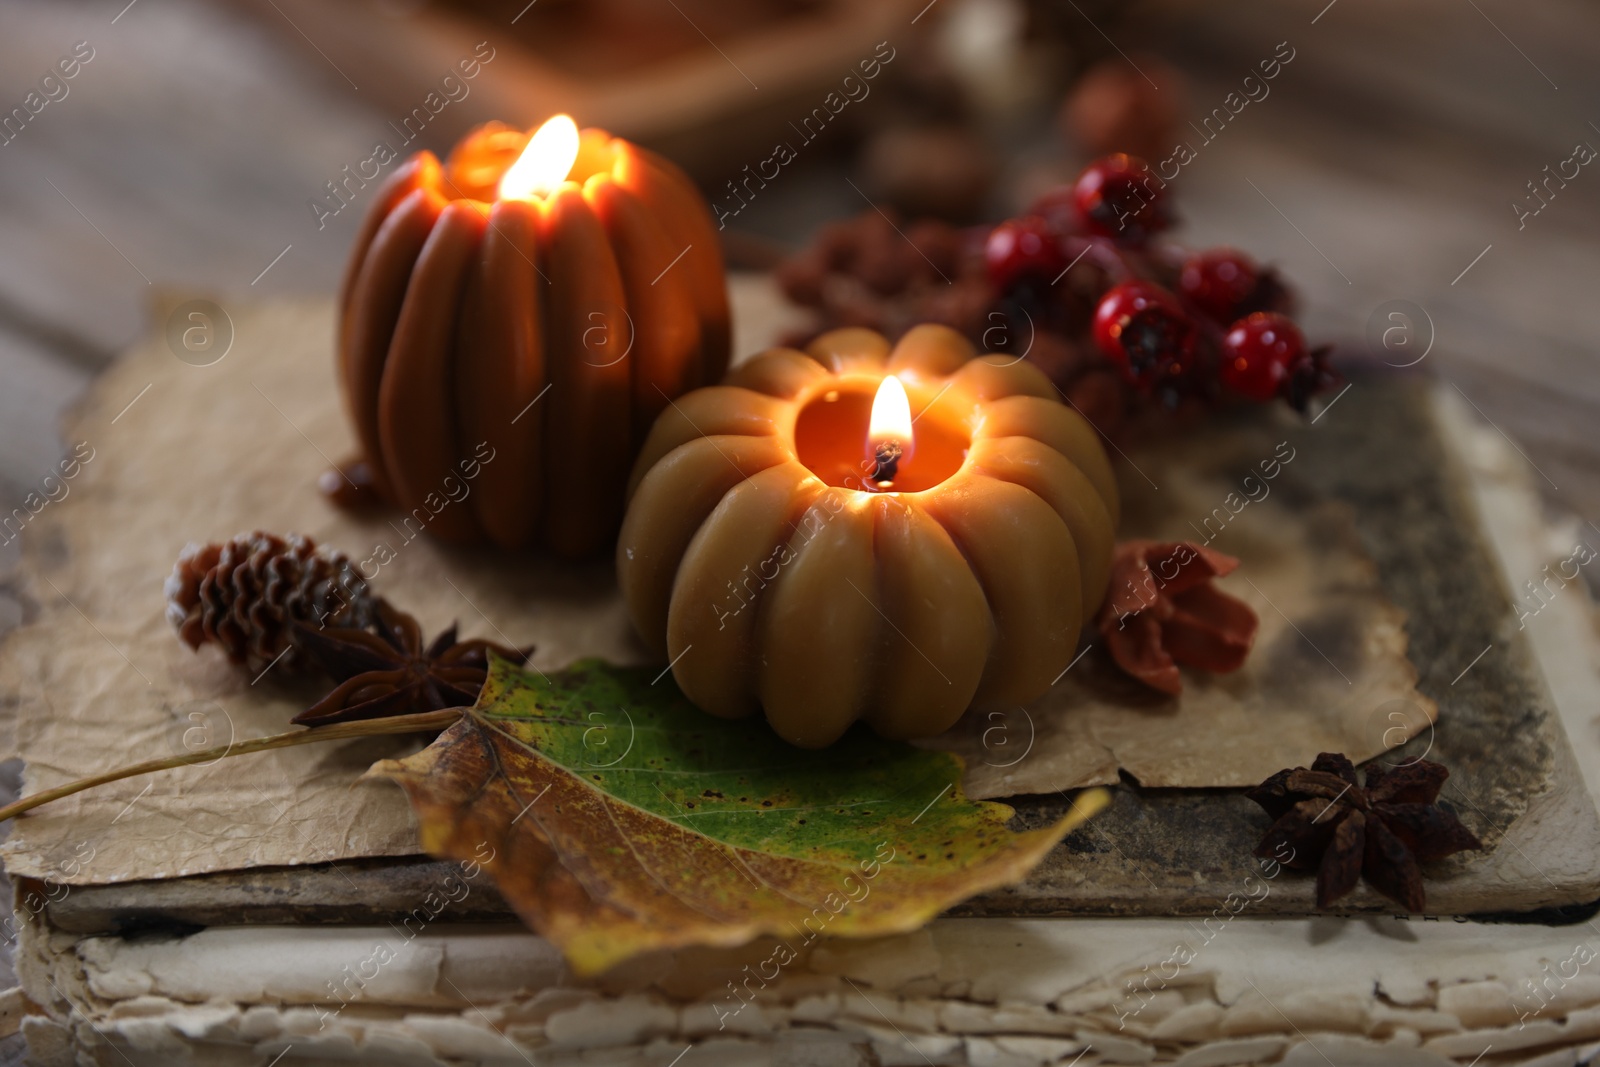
{"points": [[1084, 284], [1177, 326]]}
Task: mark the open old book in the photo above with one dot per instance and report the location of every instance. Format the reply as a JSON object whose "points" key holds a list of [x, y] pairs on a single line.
{"points": [[1375, 576]]}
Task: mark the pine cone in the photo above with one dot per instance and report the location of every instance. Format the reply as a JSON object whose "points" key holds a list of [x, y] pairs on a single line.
{"points": [[246, 595]]}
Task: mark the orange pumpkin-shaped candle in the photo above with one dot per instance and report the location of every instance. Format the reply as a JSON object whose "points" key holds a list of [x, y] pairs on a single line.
{"points": [[860, 532], [536, 302]]}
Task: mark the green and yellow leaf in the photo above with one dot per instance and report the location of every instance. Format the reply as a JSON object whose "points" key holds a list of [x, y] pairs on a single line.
{"points": [[619, 819]]}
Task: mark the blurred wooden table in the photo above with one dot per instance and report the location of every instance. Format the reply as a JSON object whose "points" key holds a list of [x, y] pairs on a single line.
{"points": [[1382, 166]]}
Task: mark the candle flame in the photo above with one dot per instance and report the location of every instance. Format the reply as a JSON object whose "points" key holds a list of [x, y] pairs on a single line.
{"points": [[545, 163], [891, 415]]}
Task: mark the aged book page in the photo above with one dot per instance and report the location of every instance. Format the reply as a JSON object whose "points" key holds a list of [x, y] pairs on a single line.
{"points": [[174, 453], [1328, 672], [170, 452]]}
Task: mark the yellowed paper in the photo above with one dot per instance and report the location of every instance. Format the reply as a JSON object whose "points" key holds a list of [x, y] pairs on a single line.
{"points": [[1328, 672], [179, 452]]}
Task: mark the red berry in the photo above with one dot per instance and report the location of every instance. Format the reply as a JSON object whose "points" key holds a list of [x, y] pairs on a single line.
{"points": [[1147, 334], [1119, 197], [1220, 282], [1119, 304], [1026, 247], [1259, 354]]}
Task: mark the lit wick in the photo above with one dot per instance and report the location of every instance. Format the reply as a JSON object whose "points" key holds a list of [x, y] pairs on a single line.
{"points": [[885, 463], [889, 435]]}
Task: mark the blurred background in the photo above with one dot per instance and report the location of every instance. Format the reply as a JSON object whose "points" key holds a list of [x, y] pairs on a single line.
{"points": [[1408, 152], [1386, 160]]}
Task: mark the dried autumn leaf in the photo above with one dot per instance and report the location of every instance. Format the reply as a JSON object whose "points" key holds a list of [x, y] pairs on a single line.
{"points": [[621, 819]]}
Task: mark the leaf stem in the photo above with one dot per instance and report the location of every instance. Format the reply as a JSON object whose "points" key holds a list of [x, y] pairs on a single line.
{"points": [[395, 724]]}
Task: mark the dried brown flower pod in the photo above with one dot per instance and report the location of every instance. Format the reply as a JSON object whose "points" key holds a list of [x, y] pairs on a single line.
{"points": [[865, 272], [1116, 107], [1162, 610]]}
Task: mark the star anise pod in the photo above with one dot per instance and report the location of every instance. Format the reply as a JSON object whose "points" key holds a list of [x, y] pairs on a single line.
{"points": [[1328, 822], [389, 671]]}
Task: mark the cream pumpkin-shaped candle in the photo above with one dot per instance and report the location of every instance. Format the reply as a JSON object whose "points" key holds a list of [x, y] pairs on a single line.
{"points": [[865, 532]]}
